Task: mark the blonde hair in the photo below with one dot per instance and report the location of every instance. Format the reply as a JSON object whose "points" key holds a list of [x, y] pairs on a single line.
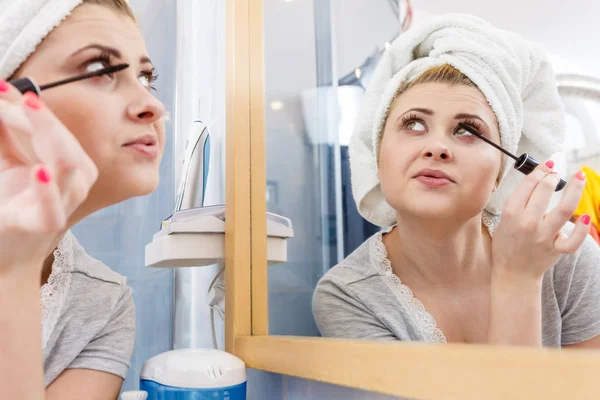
{"points": [[441, 74], [445, 73], [119, 6]]}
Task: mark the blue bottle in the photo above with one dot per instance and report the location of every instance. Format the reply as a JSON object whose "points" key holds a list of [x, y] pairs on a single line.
{"points": [[194, 374]]}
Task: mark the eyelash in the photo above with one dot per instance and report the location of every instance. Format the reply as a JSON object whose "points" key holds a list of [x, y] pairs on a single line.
{"points": [[414, 118], [472, 122], [106, 58], [408, 119]]}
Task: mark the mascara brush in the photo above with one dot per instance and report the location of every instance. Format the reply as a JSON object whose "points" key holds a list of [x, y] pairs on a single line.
{"points": [[25, 85], [524, 163]]}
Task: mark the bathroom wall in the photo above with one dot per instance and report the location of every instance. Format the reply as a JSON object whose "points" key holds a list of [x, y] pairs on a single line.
{"points": [[117, 235], [323, 41]]}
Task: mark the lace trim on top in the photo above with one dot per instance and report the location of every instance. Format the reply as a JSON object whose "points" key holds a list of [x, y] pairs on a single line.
{"points": [[54, 292], [424, 321], [490, 220]]}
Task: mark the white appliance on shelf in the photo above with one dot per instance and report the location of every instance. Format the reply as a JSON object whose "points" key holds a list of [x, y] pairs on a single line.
{"points": [[196, 237]]}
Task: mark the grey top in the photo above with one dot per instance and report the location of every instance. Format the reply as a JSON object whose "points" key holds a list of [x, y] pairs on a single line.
{"points": [[88, 315], [362, 299]]}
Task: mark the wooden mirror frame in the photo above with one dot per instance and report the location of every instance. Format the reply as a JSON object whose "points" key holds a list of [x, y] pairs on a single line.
{"points": [[411, 369]]}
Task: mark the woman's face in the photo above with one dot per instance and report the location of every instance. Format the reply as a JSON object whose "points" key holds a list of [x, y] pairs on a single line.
{"points": [[116, 118], [421, 142]]}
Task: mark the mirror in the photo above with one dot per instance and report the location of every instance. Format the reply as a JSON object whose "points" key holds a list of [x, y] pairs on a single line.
{"points": [[315, 79]]}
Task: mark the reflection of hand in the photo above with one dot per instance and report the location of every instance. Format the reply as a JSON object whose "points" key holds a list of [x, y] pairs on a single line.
{"points": [[44, 176], [528, 241]]}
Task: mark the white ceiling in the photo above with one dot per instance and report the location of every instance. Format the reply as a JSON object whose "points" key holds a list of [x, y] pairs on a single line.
{"points": [[359, 26], [568, 30]]}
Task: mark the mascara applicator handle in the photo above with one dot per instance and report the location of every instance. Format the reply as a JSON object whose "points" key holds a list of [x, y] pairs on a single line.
{"points": [[25, 85], [526, 164]]}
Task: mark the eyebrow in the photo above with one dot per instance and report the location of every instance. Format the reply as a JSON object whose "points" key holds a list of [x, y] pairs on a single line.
{"points": [[427, 111], [110, 50]]}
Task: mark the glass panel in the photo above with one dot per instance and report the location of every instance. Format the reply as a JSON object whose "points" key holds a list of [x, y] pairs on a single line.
{"points": [[312, 94], [315, 75]]}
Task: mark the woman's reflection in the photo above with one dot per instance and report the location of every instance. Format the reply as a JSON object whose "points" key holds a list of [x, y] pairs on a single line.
{"points": [[448, 266]]}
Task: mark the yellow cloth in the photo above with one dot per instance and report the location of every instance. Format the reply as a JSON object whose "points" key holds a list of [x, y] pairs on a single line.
{"points": [[590, 199]]}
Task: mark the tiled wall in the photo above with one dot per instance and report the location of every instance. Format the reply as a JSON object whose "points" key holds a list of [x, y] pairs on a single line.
{"points": [[117, 235]]}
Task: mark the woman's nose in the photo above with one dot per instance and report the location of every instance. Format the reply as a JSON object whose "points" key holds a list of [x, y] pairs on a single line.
{"points": [[147, 109], [437, 151]]}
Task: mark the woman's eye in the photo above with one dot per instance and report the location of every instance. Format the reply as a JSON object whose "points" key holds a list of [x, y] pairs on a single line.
{"points": [[415, 126], [96, 66], [463, 132], [144, 80]]}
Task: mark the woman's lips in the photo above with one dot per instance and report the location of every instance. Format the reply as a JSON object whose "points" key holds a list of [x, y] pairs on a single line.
{"points": [[147, 150], [433, 181], [144, 145]]}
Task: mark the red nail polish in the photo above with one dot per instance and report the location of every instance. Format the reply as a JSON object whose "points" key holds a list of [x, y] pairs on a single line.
{"points": [[43, 175], [3, 86], [580, 175], [550, 164], [32, 101], [585, 219]]}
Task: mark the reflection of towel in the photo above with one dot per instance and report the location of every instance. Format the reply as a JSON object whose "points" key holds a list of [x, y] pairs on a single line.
{"points": [[23, 26], [515, 76], [590, 199]]}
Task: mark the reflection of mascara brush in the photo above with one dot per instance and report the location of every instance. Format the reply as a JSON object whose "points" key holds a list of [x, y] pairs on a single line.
{"points": [[524, 163], [28, 85]]}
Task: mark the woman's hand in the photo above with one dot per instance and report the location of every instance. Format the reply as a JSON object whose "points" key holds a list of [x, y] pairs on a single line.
{"points": [[529, 241], [45, 175]]}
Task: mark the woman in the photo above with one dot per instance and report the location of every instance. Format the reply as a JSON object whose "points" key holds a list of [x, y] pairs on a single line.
{"points": [[471, 252], [76, 149]]}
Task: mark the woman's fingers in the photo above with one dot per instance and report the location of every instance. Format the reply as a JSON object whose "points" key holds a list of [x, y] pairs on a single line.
{"points": [[520, 197], [542, 194], [569, 244], [15, 134], [559, 216], [56, 146], [13, 116], [38, 209]]}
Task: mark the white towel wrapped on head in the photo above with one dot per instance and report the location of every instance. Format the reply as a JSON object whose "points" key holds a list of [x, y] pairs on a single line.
{"points": [[23, 26], [513, 74]]}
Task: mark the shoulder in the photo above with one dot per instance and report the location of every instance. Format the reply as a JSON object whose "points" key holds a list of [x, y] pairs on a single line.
{"points": [[93, 283], [358, 266], [89, 315], [94, 270]]}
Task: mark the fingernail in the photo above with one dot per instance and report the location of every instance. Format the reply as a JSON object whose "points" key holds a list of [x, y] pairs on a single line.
{"points": [[3, 86], [32, 101], [585, 219], [43, 175], [580, 175], [550, 164]]}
